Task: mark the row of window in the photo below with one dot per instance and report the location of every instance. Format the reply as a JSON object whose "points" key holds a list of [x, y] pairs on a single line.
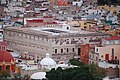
{"points": [[62, 50], [30, 56], [25, 36], [34, 46], [93, 57], [92, 62], [7, 67], [2, 48], [113, 42], [39, 38]]}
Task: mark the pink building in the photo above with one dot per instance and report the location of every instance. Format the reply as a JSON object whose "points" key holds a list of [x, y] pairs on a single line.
{"points": [[108, 52], [110, 49]]}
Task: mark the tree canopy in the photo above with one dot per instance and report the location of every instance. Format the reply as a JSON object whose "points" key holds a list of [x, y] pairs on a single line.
{"points": [[6, 75], [82, 72]]}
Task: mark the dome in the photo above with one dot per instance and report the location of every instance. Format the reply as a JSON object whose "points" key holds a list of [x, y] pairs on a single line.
{"points": [[47, 61], [38, 75], [5, 56]]}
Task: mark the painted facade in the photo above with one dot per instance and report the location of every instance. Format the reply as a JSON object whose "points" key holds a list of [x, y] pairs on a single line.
{"points": [[6, 60], [84, 54], [86, 24]]}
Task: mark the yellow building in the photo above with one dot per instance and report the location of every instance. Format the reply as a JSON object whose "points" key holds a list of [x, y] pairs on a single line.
{"points": [[113, 32], [112, 9], [87, 24]]}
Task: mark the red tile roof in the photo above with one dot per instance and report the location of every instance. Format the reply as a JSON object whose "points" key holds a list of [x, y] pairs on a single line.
{"points": [[35, 21], [41, 21], [113, 38], [5, 56]]}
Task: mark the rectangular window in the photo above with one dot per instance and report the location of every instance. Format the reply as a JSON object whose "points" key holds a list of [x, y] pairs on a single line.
{"points": [[67, 49], [0, 67], [96, 49], [55, 50], [7, 67], [96, 58], [112, 53], [90, 57], [73, 49], [61, 50]]}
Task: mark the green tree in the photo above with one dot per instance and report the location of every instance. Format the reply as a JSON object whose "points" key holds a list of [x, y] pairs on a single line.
{"points": [[97, 72], [75, 62], [4, 75], [26, 77], [82, 72]]}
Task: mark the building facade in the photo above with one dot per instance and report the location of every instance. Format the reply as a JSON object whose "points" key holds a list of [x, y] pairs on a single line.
{"points": [[93, 57], [87, 24], [84, 54], [6, 60], [108, 52], [34, 43], [109, 49]]}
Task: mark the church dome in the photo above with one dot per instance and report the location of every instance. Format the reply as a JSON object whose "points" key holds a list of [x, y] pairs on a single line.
{"points": [[47, 61], [5, 56], [6, 59]]}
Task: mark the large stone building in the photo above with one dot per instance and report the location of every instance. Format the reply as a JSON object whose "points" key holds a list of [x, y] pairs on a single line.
{"points": [[35, 42]]}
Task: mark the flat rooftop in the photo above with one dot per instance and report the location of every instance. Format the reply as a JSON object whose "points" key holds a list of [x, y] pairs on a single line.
{"points": [[54, 31]]}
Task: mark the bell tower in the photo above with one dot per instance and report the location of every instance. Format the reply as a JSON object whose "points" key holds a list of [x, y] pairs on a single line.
{"points": [[2, 46]]}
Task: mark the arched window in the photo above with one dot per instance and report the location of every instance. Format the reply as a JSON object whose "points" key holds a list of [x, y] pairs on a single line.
{"points": [[73, 50], [7, 67], [0, 68]]}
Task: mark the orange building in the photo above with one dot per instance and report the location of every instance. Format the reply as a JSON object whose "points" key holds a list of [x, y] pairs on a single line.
{"points": [[84, 54], [6, 60]]}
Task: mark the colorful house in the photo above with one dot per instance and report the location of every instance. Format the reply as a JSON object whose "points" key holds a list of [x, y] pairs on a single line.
{"points": [[87, 24]]}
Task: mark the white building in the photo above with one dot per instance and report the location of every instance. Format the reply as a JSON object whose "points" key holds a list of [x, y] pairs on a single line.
{"points": [[47, 62], [77, 3]]}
